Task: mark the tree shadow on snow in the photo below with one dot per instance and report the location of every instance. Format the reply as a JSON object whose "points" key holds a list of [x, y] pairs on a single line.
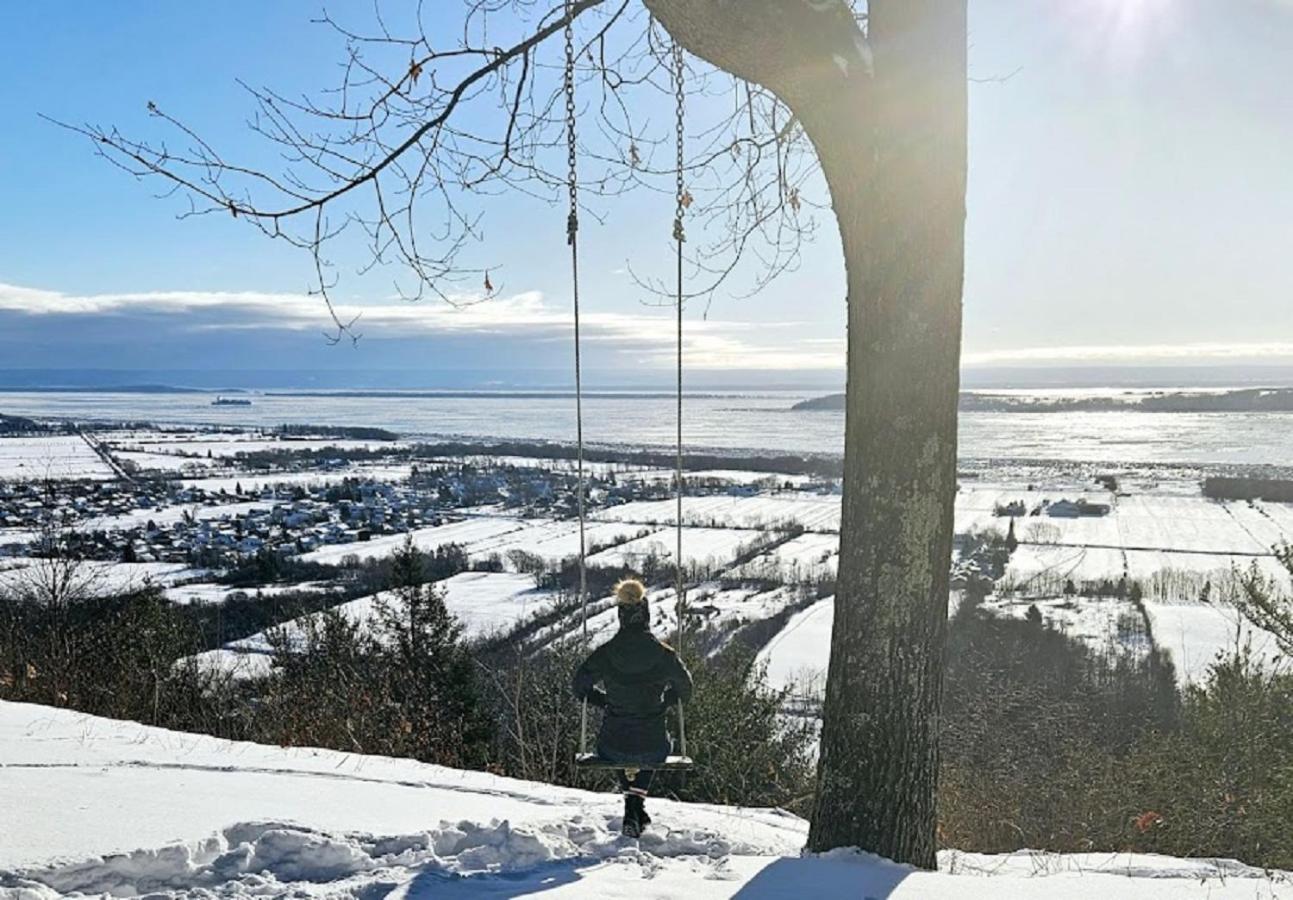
{"points": [[439, 886], [863, 879], [853, 878]]}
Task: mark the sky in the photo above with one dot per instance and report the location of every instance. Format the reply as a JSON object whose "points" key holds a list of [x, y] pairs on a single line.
{"points": [[1130, 204]]}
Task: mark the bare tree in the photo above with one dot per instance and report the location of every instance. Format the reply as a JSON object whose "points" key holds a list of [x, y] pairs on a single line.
{"points": [[866, 105]]}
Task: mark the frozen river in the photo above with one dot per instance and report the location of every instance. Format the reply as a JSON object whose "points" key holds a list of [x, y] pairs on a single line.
{"points": [[759, 422]]}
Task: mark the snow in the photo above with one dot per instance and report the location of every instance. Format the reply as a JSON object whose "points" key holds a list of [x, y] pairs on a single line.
{"points": [[103, 807], [1092, 620], [165, 462], [796, 658], [706, 548], [1043, 568], [807, 557], [486, 603], [92, 578], [62, 456], [815, 512], [167, 516], [213, 592], [1197, 634], [467, 532], [486, 535]]}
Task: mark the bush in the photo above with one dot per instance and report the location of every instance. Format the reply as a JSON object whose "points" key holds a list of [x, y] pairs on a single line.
{"points": [[118, 657], [1034, 723], [400, 684], [1221, 785]]}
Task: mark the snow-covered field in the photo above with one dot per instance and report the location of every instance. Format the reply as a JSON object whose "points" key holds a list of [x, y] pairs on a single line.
{"points": [[486, 535], [705, 548], [815, 512], [796, 657], [486, 603], [1196, 635], [807, 557], [102, 807], [89, 578], [44, 457]]}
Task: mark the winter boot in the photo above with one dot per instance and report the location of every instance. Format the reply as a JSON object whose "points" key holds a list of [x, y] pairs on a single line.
{"points": [[632, 826]]}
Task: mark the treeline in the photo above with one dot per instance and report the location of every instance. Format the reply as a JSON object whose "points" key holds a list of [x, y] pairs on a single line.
{"points": [[350, 432], [1245, 400], [818, 465], [1274, 490], [21, 425], [1052, 744]]}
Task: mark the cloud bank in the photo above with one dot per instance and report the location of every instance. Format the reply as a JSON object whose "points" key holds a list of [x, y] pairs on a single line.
{"points": [[491, 331]]}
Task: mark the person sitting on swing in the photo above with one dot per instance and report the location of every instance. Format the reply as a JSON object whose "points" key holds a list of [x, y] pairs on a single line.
{"points": [[642, 678]]}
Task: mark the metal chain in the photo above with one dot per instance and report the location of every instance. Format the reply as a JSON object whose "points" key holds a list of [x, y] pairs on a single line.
{"points": [[681, 201], [572, 231]]}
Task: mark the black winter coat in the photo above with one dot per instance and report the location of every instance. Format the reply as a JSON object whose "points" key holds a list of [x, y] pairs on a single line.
{"points": [[643, 677]]}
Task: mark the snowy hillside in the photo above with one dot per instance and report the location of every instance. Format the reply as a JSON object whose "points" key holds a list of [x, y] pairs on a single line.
{"points": [[97, 806]]}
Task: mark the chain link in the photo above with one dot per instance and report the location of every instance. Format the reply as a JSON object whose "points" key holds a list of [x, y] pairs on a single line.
{"points": [[681, 202], [572, 186], [681, 197], [572, 230]]}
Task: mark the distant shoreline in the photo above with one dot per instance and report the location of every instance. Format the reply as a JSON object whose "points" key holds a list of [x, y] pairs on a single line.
{"points": [[451, 394], [1244, 400]]}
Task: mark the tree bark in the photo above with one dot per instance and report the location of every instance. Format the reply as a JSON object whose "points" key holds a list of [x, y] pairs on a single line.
{"points": [[889, 127]]}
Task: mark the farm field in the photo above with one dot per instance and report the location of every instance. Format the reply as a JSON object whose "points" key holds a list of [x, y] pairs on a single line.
{"points": [[58, 457]]}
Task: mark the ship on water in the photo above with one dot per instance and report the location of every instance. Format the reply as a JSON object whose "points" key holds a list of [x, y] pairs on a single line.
{"points": [[230, 401]]}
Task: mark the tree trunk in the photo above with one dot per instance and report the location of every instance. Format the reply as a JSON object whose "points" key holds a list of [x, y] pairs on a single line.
{"points": [[901, 217], [890, 132]]}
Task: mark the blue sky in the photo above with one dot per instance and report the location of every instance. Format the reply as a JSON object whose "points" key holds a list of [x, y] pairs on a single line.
{"points": [[1131, 202]]}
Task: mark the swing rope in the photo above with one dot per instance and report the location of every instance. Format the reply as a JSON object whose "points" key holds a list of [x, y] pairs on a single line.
{"points": [[572, 238], [572, 235], [680, 206]]}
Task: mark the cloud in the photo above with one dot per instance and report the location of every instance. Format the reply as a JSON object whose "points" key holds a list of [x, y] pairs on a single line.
{"points": [[527, 318]]}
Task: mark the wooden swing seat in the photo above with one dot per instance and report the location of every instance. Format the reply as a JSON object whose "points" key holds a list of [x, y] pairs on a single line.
{"points": [[670, 764]]}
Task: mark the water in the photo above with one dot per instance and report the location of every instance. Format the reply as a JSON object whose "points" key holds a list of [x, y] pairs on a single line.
{"points": [[759, 422]]}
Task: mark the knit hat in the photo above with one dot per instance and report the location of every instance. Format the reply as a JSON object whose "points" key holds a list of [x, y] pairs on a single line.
{"points": [[630, 597]]}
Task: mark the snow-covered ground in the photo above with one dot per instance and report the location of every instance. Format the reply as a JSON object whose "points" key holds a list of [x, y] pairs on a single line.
{"points": [[214, 592], [90, 578], [796, 657], [1197, 634], [95, 806], [169, 515], [815, 512], [486, 603], [44, 457], [486, 535], [807, 557], [706, 548]]}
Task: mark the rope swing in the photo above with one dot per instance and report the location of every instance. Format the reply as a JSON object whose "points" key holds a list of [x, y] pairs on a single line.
{"points": [[585, 759]]}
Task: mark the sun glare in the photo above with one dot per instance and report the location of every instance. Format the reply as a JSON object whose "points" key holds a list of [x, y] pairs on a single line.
{"points": [[1124, 16]]}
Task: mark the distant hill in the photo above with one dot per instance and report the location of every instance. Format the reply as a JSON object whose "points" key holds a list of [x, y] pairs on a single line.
{"points": [[1245, 400]]}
